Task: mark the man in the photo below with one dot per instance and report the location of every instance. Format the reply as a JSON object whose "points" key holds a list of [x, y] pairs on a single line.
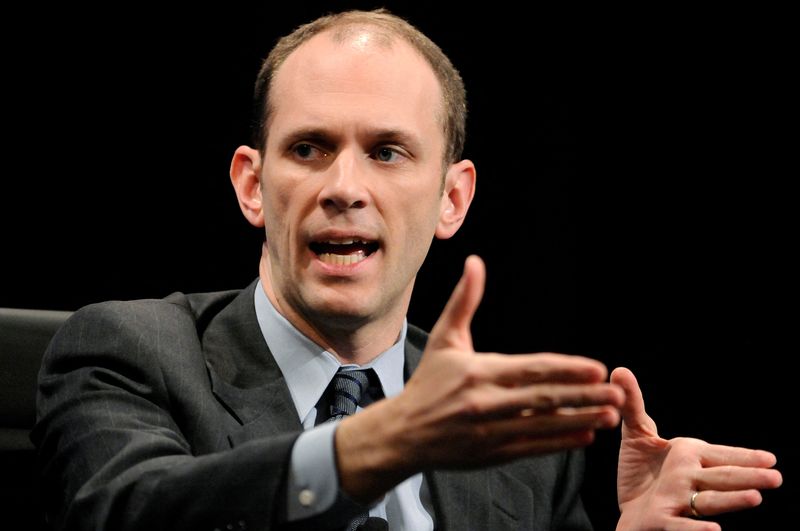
{"points": [[209, 410]]}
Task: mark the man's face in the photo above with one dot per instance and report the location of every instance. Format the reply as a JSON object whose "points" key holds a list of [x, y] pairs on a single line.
{"points": [[351, 177]]}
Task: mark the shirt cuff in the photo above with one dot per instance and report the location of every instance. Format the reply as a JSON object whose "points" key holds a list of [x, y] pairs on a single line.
{"points": [[313, 484]]}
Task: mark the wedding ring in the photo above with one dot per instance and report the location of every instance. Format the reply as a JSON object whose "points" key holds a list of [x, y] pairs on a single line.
{"points": [[692, 505]]}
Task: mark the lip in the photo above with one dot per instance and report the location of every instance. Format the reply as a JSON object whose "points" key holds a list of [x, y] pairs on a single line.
{"points": [[348, 270], [342, 270], [341, 234]]}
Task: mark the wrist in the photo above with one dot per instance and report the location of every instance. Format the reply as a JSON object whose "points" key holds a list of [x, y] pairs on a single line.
{"points": [[369, 459], [631, 517]]}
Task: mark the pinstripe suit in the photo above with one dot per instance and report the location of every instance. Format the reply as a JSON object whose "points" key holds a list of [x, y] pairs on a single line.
{"points": [[172, 414]]}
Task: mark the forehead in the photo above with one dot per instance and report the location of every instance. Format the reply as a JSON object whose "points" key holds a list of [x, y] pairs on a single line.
{"points": [[362, 75]]}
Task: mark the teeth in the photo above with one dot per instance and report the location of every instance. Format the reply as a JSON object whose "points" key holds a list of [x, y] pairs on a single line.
{"points": [[345, 241], [342, 259]]}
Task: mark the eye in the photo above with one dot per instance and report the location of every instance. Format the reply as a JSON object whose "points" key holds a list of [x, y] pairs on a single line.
{"points": [[306, 151], [386, 154]]}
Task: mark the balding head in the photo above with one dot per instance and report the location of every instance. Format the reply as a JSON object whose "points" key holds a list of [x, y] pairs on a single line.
{"points": [[379, 28]]}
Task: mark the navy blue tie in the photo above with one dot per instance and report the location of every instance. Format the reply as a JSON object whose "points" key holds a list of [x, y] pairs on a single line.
{"points": [[349, 386]]}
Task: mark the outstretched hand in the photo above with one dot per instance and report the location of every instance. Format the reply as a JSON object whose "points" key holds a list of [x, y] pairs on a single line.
{"points": [[466, 410], [657, 478], [493, 407]]}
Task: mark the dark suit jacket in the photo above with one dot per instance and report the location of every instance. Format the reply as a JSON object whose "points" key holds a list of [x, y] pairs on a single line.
{"points": [[172, 414]]}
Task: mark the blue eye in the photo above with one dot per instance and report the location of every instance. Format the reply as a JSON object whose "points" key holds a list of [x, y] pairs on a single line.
{"points": [[386, 154]]}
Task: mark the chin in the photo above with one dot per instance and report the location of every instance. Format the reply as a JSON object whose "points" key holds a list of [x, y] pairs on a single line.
{"points": [[341, 316]]}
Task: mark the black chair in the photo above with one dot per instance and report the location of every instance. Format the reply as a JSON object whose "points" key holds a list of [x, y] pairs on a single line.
{"points": [[24, 336]]}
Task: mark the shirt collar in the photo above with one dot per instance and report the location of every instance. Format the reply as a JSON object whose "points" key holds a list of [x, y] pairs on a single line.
{"points": [[308, 368]]}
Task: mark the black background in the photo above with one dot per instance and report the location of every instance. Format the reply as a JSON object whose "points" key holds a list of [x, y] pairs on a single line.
{"points": [[634, 177]]}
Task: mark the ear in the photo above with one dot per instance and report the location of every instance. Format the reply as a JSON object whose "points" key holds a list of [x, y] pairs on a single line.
{"points": [[459, 189], [245, 173]]}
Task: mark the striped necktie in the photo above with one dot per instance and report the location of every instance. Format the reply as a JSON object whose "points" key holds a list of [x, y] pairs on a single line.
{"points": [[349, 386]]}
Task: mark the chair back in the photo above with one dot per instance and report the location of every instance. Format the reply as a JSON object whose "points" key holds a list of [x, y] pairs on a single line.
{"points": [[24, 336]]}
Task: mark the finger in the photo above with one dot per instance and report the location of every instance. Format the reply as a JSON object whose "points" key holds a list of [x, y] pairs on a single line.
{"points": [[453, 326], [547, 425], [520, 369], [501, 401], [711, 502], [634, 416], [718, 455], [729, 478]]}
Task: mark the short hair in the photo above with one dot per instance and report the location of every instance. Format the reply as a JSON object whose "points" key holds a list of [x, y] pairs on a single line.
{"points": [[453, 93]]}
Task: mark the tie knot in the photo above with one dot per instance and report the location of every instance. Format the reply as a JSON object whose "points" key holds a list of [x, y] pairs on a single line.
{"points": [[348, 388]]}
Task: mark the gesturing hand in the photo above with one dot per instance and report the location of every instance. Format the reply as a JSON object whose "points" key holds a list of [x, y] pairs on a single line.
{"points": [[464, 410], [658, 478]]}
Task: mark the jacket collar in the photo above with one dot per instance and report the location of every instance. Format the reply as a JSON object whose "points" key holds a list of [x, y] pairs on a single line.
{"points": [[244, 376]]}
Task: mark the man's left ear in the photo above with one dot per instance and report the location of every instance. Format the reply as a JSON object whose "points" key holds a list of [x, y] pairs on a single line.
{"points": [[459, 189]]}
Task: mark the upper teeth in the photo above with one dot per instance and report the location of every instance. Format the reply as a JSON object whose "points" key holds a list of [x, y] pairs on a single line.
{"points": [[345, 241]]}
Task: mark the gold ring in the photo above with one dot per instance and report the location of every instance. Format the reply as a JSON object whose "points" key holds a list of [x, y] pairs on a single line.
{"points": [[692, 505]]}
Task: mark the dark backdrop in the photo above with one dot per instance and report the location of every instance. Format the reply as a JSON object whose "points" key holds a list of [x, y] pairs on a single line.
{"points": [[633, 201]]}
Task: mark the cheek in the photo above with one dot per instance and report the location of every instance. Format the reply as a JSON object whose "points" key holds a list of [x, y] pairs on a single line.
{"points": [[420, 216], [279, 194], [287, 204]]}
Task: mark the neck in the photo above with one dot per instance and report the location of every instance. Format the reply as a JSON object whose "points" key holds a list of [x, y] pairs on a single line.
{"points": [[356, 340]]}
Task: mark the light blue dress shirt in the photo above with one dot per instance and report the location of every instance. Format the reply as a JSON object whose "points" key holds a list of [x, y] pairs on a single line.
{"points": [[313, 484]]}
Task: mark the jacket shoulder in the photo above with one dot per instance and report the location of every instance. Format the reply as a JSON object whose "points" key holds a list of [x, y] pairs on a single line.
{"points": [[135, 321], [140, 311]]}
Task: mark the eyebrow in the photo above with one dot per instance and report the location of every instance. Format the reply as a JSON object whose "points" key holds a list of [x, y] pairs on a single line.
{"points": [[326, 138], [396, 135], [312, 134]]}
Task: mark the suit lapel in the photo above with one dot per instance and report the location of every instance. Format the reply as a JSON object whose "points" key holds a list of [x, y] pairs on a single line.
{"points": [[260, 411], [244, 376]]}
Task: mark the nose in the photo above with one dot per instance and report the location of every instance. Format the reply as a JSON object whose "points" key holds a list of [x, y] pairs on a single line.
{"points": [[345, 181]]}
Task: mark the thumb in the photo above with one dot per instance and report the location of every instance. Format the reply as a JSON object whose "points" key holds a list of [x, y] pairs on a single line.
{"points": [[453, 327], [635, 421]]}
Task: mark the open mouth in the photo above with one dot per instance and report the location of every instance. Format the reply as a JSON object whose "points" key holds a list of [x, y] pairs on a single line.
{"points": [[344, 251]]}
